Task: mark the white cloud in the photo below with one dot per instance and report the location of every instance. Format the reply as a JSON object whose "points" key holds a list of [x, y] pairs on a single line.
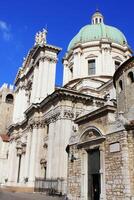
{"points": [[5, 30], [3, 26]]}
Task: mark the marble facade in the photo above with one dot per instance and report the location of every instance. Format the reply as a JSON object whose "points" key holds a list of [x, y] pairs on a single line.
{"points": [[55, 130]]}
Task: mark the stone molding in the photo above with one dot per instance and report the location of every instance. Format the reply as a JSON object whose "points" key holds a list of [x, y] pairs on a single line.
{"points": [[48, 58], [36, 124], [61, 113], [20, 147]]}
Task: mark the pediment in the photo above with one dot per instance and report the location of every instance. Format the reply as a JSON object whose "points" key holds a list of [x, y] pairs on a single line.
{"points": [[90, 136]]}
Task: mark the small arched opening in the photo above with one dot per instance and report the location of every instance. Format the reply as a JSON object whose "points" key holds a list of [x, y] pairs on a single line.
{"points": [[9, 98], [130, 77]]}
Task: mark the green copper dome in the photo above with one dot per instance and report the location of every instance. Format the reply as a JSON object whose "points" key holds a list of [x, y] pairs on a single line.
{"points": [[98, 31]]}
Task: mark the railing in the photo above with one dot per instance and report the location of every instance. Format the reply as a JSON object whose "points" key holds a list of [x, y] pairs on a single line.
{"points": [[50, 186]]}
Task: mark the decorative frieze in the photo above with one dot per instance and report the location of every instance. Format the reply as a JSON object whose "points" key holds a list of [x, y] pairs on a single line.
{"points": [[68, 114], [59, 113]]}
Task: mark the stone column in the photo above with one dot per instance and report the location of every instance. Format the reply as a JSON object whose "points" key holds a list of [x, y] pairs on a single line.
{"points": [[125, 167], [32, 166], [12, 155], [39, 150], [23, 102], [102, 173], [34, 87], [103, 60], [27, 158], [40, 85], [77, 67], [17, 106], [45, 74], [22, 168], [84, 175], [66, 72], [51, 77], [10, 161], [50, 151]]}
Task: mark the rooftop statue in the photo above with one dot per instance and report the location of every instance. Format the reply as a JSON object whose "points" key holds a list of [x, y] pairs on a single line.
{"points": [[40, 37]]}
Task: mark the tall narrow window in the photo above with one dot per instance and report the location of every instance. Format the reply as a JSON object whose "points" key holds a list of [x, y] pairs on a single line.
{"points": [[120, 86], [71, 70], [47, 129], [91, 67]]}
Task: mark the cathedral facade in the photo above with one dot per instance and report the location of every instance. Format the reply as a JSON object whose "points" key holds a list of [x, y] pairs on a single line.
{"points": [[80, 133]]}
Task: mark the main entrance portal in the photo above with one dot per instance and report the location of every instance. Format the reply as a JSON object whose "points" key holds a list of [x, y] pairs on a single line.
{"points": [[94, 174]]}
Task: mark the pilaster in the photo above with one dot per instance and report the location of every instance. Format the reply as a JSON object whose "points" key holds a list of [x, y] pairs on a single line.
{"points": [[28, 148], [32, 166]]}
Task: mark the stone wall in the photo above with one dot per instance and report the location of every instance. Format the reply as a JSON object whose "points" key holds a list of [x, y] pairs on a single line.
{"points": [[74, 174], [131, 159], [118, 162], [115, 187]]}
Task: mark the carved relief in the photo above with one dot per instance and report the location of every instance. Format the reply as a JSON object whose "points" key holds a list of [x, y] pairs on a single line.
{"points": [[68, 114], [52, 118], [89, 135]]}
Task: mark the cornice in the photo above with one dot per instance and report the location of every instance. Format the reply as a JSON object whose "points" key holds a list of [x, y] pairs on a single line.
{"points": [[57, 95]]}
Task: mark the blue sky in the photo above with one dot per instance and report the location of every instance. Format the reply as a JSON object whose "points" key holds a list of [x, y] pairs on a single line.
{"points": [[20, 20]]}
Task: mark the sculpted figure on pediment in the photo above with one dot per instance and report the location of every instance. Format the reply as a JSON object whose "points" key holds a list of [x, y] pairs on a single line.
{"points": [[89, 135], [40, 37]]}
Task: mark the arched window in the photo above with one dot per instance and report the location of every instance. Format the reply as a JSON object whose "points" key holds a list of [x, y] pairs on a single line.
{"points": [[120, 86], [9, 98], [96, 21], [71, 70], [130, 77]]}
